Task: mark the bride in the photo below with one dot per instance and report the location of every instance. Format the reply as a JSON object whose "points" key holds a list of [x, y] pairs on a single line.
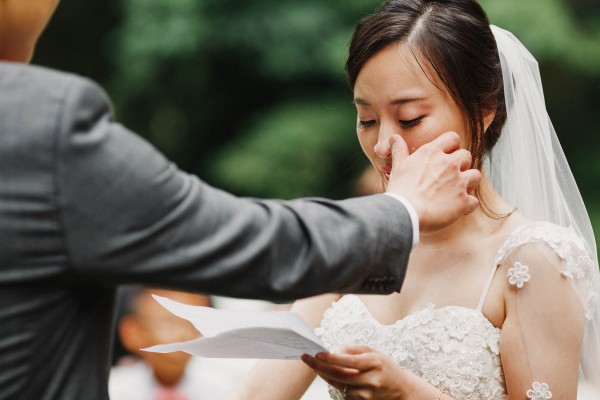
{"points": [[500, 305]]}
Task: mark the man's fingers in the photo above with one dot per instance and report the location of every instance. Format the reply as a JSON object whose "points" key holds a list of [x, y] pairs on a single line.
{"points": [[438, 180], [399, 149], [472, 204], [463, 158], [448, 142], [473, 178]]}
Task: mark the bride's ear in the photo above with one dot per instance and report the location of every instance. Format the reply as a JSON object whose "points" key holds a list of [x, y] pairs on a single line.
{"points": [[488, 118]]}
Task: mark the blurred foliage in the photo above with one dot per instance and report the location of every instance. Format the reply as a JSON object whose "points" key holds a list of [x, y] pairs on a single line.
{"points": [[251, 95], [206, 72], [292, 160], [551, 30], [77, 38]]}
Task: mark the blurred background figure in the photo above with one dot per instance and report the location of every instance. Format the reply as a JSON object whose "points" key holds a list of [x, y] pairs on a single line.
{"points": [[152, 376], [140, 375]]}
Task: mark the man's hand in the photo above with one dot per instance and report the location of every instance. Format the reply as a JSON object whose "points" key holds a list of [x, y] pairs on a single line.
{"points": [[435, 179]]}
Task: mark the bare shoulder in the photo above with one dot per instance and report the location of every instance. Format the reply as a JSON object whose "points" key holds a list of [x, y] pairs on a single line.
{"points": [[541, 260], [539, 245]]}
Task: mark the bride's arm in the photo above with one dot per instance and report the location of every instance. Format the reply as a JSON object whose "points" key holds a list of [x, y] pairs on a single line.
{"points": [[281, 379], [542, 334]]}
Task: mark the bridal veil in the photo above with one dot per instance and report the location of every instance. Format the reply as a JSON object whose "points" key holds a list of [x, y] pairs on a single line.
{"points": [[529, 170]]}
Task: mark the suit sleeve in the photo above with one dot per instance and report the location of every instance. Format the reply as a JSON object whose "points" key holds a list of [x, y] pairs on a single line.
{"points": [[130, 216]]}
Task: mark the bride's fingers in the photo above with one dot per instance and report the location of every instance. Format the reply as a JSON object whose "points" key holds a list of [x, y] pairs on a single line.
{"points": [[346, 375], [359, 358], [350, 391], [333, 383], [356, 349]]}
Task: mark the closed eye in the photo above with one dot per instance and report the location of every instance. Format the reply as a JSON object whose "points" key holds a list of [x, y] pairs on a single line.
{"points": [[366, 124], [411, 123]]}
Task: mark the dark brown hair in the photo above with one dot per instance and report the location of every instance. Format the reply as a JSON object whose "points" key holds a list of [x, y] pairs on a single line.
{"points": [[454, 37]]}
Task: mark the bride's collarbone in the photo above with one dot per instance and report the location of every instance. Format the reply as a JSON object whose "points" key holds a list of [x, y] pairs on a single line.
{"points": [[445, 280], [464, 254], [445, 274], [452, 263]]}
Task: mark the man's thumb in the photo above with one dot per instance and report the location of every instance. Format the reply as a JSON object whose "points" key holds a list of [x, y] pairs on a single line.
{"points": [[399, 149]]}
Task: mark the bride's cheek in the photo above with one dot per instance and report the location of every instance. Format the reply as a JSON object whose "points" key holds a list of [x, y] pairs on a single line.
{"points": [[414, 145]]}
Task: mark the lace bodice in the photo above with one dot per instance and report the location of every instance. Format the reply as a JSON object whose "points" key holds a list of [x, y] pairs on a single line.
{"points": [[455, 348]]}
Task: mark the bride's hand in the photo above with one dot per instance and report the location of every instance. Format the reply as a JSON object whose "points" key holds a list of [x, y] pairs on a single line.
{"points": [[361, 373]]}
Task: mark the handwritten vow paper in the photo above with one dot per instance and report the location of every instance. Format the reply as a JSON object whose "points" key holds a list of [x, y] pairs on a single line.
{"points": [[242, 334]]}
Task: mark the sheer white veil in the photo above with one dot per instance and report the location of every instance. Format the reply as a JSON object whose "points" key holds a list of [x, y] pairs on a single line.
{"points": [[529, 170]]}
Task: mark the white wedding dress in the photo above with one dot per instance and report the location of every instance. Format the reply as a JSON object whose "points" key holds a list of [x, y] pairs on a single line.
{"points": [[454, 348]]}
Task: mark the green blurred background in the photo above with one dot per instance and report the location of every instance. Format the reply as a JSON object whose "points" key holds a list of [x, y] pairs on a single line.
{"points": [[251, 96]]}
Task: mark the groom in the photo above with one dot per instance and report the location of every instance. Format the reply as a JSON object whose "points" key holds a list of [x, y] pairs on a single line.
{"points": [[86, 205]]}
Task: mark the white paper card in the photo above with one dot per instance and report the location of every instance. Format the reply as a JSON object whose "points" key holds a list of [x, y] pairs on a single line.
{"points": [[242, 333]]}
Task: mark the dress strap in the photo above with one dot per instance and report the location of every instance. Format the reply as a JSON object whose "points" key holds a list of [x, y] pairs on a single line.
{"points": [[500, 255], [486, 288]]}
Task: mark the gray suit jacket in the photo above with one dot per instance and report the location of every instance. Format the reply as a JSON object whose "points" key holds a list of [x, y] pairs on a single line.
{"points": [[85, 206]]}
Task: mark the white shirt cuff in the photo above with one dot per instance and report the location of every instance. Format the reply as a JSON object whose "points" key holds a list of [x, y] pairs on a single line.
{"points": [[414, 217]]}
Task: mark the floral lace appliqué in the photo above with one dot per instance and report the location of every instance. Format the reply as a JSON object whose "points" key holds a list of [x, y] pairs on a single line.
{"points": [[577, 265], [518, 275], [540, 391], [455, 349]]}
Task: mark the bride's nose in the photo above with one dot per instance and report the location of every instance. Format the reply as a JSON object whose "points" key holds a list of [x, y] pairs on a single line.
{"points": [[382, 148]]}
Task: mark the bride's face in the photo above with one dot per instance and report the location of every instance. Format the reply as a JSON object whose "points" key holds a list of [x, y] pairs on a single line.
{"points": [[392, 95]]}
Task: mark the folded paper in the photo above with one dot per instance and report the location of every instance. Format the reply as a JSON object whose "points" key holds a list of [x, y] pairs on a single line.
{"points": [[242, 333]]}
